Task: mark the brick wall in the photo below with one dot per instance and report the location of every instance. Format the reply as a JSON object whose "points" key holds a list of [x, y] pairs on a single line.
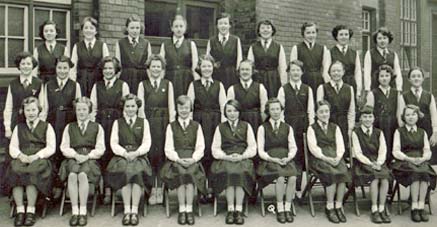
{"points": [[81, 9]]}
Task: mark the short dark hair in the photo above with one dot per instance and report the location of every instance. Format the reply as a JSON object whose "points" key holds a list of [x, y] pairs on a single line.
{"points": [[270, 102], [413, 69], [111, 59], [156, 57], [337, 28], [25, 54], [205, 57], [297, 63], [321, 103], [265, 22], [65, 59], [29, 100], [134, 18], [416, 110], [48, 22], [223, 15], [387, 68], [234, 103], [385, 32], [306, 25], [334, 63], [91, 20], [184, 99], [128, 97], [252, 64]]}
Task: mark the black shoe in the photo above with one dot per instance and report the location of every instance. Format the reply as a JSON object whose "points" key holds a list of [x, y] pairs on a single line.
{"points": [[340, 215], [332, 215], [384, 217], [126, 219], [74, 220], [289, 216], [182, 218], [423, 215], [376, 218], [190, 218], [134, 220], [82, 220], [230, 218], [238, 218], [415, 216], [19, 219], [29, 219], [280, 217]]}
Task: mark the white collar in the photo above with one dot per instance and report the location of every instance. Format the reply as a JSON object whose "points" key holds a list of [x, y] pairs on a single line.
{"points": [[249, 82], [381, 51], [93, 41], [340, 47], [321, 123], [47, 44], [64, 81], [384, 90], [235, 123], [411, 127], [413, 89], [134, 118], [364, 128], [111, 81], [28, 78], [153, 80], [272, 122], [333, 83], [268, 41], [131, 39], [176, 39], [309, 44], [203, 80], [182, 121], [84, 122], [294, 84], [220, 36], [35, 122]]}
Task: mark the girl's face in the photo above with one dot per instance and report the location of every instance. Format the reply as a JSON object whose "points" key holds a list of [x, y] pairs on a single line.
{"points": [[26, 66], [384, 78], [323, 113], [206, 69], [295, 73], [49, 32], [275, 111], [184, 110], [310, 34], [416, 78], [134, 29], [410, 117], [130, 108], [232, 113], [62, 70], [178, 28], [89, 31], [266, 31], [336, 72], [31, 111], [343, 37], [155, 68], [108, 70], [381, 41], [367, 120], [245, 71], [223, 25], [82, 111]]}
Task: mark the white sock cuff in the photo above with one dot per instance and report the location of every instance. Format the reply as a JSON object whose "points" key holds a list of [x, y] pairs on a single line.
{"points": [[20, 209], [82, 210], [182, 208], [238, 207], [231, 208], [75, 210], [30, 209]]}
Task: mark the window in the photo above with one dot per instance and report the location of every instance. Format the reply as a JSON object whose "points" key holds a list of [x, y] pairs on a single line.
{"points": [[200, 17], [62, 19], [366, 29], [408, 56]]}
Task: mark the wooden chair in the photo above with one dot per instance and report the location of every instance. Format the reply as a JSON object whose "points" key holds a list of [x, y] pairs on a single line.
{"points": [[397, 193], [40, 202], [94, 192]]}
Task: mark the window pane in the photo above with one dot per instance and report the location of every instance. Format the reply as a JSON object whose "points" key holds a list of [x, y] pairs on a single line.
{"points": [[41, 15], [158, 18], [2, 53], [200, 22], [15, 46], [61, 20], [2, 20], [15, 21], [365, 43]]}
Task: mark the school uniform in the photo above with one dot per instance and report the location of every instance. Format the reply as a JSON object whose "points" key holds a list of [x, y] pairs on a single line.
{"points": [[181, 58], [129, 138], [85, 138], [298, 102], [19, 89], [106, 97], [369, 147], [47, 54], [275, 139], [252, 97], [270, 63], [315, 58], [327, 140], [184, 139], [412, 142], [158, 108], [86, 57], [352, 66], [376, 57], [31, 138], [227, 52], [209, 98], [133, 54], [236, 139]]}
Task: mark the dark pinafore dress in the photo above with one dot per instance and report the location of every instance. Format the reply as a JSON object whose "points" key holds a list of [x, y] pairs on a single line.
{"points": [[39, 172], [133, 62], [108, 110], [83, 144], [327, 173], [266, 64], [207, 112], [250, 103], [385, 111], [276, 145], [312, 63], [173, 173], [362, 173], [348, 61], [226, 59], [226, 173], [60, 111], [378, 60], [47, 61], [87, 65], [120, 171], [406, 172], [179, 66], [157, 113]]}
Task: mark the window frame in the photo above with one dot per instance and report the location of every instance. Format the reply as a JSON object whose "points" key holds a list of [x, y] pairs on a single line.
{"points": [[408, 26]]}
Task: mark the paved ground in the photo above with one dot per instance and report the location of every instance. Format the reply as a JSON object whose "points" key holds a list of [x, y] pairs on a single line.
{"points": [[156, 216]]}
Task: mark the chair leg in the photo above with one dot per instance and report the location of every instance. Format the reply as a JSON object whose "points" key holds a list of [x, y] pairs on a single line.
{"points": [[428, 197], [261, 195], [61, 209], [93, 208], [215, 205], [167, 203], [13, 209], [113, 198], [143, 203], [44, 208], [308, 188], [398, 191], [293, 208], [363, 192], [354, 195], [246, 205]]}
